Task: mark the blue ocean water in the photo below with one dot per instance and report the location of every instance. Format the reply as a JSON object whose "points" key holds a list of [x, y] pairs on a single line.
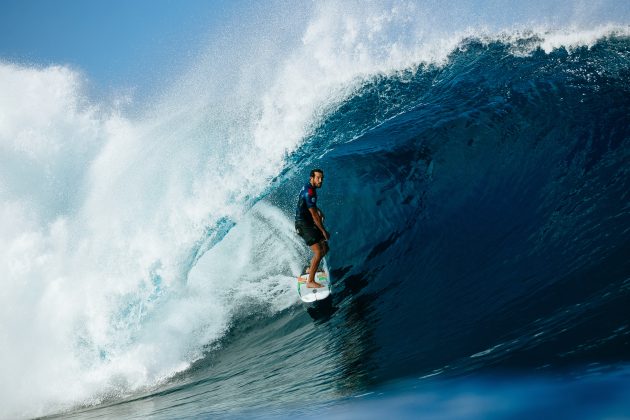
{"points": [[481, 235], [476, 189]]}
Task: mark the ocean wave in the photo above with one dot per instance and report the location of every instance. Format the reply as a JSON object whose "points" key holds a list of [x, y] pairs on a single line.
{"points": [[115, 224]]}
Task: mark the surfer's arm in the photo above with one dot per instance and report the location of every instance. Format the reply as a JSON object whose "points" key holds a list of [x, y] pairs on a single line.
{"points": [[317, 219]]}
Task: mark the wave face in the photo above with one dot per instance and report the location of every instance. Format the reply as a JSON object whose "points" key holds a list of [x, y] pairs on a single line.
{"points": [[476, 188], [484, 222]]}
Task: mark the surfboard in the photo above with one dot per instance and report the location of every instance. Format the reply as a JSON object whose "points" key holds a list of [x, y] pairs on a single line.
{"points": [[313, 295]]}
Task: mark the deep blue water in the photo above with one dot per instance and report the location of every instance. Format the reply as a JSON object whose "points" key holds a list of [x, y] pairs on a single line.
{"points": [[480, 214]]}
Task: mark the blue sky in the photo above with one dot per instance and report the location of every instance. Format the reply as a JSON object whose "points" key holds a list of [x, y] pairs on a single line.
{"points": [[117, 44]]}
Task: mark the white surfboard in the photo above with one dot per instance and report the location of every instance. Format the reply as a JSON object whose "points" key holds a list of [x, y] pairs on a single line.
{"points": [[312, 295]]}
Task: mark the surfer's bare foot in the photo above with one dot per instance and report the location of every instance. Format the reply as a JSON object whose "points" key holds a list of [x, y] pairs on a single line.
{"points": [[313, 285]]}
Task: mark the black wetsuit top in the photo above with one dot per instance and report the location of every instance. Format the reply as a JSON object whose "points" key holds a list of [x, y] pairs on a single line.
{"points": [[306, 200]]}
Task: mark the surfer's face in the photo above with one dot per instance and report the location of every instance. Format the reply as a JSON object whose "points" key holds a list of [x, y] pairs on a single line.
{"points": [[317, 179]]}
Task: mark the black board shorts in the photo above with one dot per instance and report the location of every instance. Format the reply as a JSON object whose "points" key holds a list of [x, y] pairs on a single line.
{"points": [[310, 233]]}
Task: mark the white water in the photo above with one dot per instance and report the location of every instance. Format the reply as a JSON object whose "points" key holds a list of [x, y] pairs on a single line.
{"points": [[101, 210]]}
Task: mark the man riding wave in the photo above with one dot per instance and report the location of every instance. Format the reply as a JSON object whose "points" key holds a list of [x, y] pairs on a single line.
{"points": [[309, 223]]}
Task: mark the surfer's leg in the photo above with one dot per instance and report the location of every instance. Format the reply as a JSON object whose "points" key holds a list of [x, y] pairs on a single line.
{"points": [[318, 254]]}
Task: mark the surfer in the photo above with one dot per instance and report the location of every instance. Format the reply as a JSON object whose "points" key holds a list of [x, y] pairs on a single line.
{"points": [[309, 223]]}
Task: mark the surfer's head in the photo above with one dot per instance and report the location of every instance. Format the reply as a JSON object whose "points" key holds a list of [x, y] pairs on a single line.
{"points": [[317, 177]]}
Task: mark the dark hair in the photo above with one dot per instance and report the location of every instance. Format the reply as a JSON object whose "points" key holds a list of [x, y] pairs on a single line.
{"points": [[316, 170]]}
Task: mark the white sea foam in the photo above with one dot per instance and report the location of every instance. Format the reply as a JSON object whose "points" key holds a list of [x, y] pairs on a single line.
{"points": [[101, 212], [572, 39]]}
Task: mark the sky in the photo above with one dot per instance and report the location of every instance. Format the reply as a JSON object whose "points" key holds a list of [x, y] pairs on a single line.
{"points": [[116, 44]]}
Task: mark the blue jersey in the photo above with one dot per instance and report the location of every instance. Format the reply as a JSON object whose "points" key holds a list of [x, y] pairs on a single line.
{"points": [[306, 200]]}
